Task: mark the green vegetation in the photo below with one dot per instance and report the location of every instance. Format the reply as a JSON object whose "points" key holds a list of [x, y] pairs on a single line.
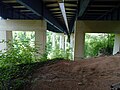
{"points": [[21, 57], [16, 63], [56, 51], [18, 53], [95, 45], [21, 36], [98, 44], [60, 53], [13, 77]]}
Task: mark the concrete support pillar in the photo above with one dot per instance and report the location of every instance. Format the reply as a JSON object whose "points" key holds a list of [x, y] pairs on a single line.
{"points": [[2, 37], [5, 35], [72, 41], [79, 42], [53, 40], [62, 41], [9, 36], [40, 37], [116, 44], [72, 45], [66, 43]]}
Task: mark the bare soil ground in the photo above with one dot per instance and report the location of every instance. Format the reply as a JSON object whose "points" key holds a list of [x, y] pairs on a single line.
{"points": [[88, 74]]}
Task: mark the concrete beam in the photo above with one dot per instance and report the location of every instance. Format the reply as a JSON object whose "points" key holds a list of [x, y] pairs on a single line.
{"points": [[99, 26], [87, 26], [20, 25]]}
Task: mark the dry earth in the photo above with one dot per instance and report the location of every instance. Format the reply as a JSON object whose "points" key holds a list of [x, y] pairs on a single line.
{"points": [[88, 74]]}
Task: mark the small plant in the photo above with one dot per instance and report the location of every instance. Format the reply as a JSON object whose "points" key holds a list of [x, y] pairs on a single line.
{"points": [[16, 63], [17, 53]]}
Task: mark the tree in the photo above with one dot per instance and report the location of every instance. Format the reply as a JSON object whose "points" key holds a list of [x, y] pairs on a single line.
{"points": [[98, 44]]}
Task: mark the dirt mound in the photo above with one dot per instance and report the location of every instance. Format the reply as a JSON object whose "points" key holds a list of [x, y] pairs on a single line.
{"points": [[90, 74]]}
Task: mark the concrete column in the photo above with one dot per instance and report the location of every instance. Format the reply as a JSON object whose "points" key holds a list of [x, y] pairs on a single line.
{"points": [[9, 36], [53, 40], [79, 42], [116, 44], [72, 40], [40, 37], [2, 37], [62, 41], [5, 35], [72, 45], [66, 43]]}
